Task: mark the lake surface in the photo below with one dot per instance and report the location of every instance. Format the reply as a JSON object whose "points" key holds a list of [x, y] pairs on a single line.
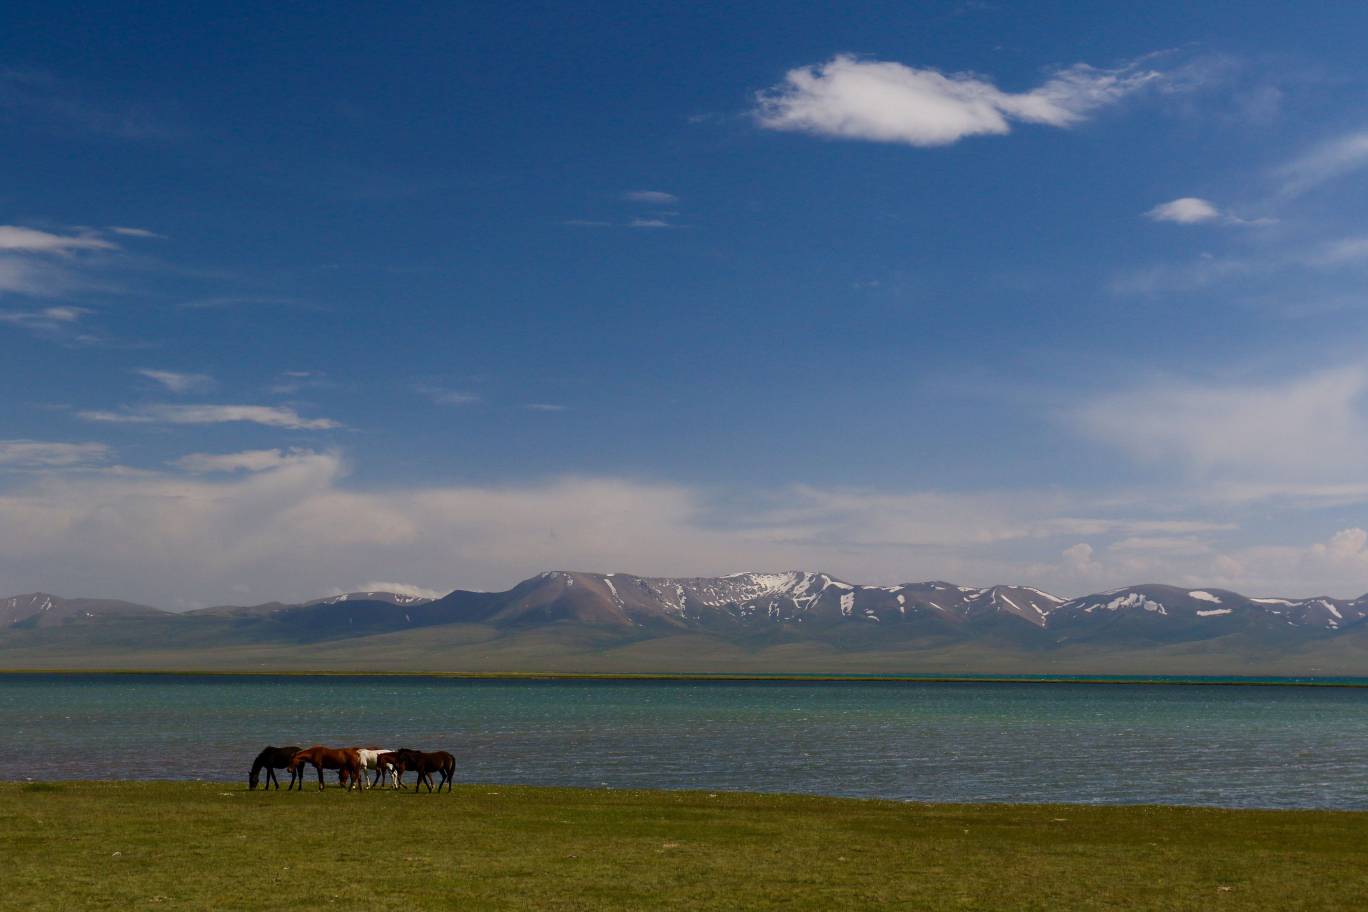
{"points": [[1095, 743]]}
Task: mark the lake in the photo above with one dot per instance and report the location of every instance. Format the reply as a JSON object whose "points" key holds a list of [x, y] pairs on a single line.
{"points": [[1249, 746]]}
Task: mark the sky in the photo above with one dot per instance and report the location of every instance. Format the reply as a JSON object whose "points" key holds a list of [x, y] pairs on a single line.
{"points": [[296, 301]]}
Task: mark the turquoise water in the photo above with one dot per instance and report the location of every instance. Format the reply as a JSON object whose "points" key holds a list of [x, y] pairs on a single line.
{"points": [[1113, 743]]}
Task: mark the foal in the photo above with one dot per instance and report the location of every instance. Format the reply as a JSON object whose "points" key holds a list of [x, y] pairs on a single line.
{"points": [[272, 759]]}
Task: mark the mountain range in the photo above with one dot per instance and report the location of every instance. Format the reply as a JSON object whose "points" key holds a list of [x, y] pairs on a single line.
{"points": [[564, 620]]}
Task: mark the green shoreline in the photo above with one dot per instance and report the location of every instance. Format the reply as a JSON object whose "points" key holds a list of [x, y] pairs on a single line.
{"points": [[1157, 680]]}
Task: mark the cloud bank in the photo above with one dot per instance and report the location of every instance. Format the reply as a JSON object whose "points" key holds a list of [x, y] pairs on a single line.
{"points": [[265, 524]]}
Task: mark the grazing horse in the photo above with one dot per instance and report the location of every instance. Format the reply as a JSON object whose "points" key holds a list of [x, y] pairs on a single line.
{"points": [[425, 763], [344, 760], [272, 759]]}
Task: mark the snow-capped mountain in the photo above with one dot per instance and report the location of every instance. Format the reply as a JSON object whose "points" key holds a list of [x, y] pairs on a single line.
{"points": [[810, 600], [791, 604]]}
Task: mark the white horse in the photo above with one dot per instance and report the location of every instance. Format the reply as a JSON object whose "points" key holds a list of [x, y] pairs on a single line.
{"points": [[370, 761]]}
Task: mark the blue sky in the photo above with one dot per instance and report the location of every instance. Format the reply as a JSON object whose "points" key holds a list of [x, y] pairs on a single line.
{"points": [[295, 302]]}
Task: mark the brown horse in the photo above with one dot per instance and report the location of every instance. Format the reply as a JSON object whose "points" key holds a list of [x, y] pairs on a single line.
{"points": [[425, 763], [345, 760]]}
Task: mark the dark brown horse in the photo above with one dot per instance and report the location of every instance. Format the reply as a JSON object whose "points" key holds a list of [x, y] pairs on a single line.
{"points": [[345, 760], [272, 759], [425, 763]]}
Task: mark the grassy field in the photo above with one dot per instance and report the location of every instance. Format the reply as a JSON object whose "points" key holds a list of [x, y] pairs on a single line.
{"points": [[124, 845]]}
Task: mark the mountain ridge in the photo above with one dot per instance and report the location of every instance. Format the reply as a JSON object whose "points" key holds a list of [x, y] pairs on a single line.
{"points": [[796, 600]]}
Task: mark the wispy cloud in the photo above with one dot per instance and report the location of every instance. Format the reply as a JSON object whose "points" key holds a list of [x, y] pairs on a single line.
{"points": [[655, 197], [135, 232], [31, 240], [178, 382], [268, 415], [649, 223], [544, 407], [850, 98], [1326, 162], [224, 301], [39, 99], [60, 324], [292, 381], [44, 454], [245, 461], [1309, 428], [444, 396]]}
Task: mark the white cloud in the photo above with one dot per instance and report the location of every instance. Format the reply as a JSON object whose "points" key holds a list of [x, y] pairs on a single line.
{"points": [[178, 382], [850, 98], [1326, 162], [1192, 210], [544, 407], [271, 416], [397, 588], [443, 396], [1342, 251], [1187, 210], [135, 232], [41, 453], [1078, 561], [60, 323], [291, 525], [30, 240], [1310, 429], [649, 223], [657, 197], [245, 461]]}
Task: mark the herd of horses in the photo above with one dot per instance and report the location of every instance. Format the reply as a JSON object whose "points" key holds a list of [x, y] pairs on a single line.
{"points": [[352, 765]]}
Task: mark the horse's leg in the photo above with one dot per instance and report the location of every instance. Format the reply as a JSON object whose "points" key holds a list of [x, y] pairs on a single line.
{"points": [[321, 784]]}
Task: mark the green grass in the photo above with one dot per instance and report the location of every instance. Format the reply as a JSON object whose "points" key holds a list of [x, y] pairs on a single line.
{"points": [[124, 845]]}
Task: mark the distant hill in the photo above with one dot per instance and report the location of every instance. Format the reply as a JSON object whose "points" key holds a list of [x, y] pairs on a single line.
{"points": [[39, 609], [566, 620]]}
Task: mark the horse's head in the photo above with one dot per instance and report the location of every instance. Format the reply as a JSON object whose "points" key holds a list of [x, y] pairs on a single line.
{"points": [[253, 778]]}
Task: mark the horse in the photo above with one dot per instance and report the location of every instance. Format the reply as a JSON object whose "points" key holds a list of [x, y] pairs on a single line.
{"points": [[425, 763], [369, 757], [388, 763], [272, 759], [344, 760]]}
